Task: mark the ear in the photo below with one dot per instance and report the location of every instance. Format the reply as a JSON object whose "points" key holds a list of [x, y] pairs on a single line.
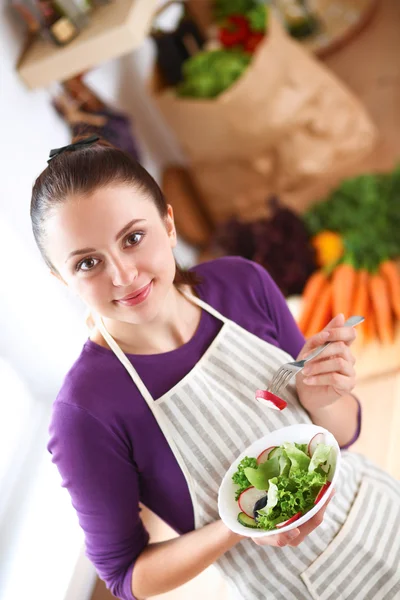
{"points": [[170, 226]]}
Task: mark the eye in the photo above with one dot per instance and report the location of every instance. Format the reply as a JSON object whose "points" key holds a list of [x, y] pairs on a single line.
{"points": [[133, 239], [87, 264]]}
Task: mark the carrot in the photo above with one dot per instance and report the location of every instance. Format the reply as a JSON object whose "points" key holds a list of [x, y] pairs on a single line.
{"points": [[389, 270], [370, 324], [380, 300], [343, 283], [311, 295], [360, 305], [322, 310]]}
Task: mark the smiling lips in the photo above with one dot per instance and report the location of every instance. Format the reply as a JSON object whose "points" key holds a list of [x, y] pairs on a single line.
{"points": [[136, 297]]}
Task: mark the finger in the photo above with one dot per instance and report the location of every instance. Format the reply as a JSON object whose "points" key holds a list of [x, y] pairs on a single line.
{"points": [[341, 383], [335, 349], [342, 334], [336, 364], [280, 540]]}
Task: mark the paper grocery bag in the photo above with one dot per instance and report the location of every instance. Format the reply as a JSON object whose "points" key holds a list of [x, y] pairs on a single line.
{"points": [[286, 122], [236, 123]]}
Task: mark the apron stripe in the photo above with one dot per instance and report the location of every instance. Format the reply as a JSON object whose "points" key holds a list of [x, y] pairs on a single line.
{"points": [[229, 411], [253, 354], [248, 586], [384, 552], [221, 419], [193, 457], [213, 446], [245, 415], [255, 347], [263, 572], [344, 551]]}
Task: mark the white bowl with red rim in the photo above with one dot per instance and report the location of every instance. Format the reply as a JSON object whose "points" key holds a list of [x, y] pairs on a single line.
{"points": [[228, 507]]}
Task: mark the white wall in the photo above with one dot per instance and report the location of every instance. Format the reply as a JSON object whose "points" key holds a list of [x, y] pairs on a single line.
{"points": [[41, 325]]}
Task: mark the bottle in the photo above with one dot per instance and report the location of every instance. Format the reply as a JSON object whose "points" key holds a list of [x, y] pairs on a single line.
{"points": [[76, 10], [57, 25]]}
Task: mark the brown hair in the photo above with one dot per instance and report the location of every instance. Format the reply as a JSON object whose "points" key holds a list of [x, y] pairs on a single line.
{"points": [[84, 170]]}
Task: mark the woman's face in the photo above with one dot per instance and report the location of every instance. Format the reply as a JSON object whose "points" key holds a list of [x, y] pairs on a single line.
{"points": [[114, 250]]}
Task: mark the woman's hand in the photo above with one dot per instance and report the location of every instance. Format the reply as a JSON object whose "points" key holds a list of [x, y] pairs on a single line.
{"points": [[331, 375], [294, 537]]}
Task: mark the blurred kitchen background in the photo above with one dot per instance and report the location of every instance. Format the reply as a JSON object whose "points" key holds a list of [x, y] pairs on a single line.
{"points": [[273, 131]]}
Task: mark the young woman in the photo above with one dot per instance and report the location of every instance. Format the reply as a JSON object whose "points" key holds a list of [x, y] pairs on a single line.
{"points": [[161, 400]]}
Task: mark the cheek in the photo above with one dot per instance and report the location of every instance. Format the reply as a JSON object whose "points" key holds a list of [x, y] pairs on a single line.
{"points": [[160, 259], [89, 289]]}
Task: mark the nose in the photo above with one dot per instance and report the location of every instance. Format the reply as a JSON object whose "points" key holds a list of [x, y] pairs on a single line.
{"points": [[123, 271]]}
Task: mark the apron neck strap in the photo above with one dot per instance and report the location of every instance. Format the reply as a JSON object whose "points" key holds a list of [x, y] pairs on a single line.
{"points": [[192, 298], [127, 363]]}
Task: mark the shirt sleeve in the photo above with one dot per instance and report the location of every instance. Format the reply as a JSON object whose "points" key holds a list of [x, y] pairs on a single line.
{"points": [[101, 477], [289, 337]]}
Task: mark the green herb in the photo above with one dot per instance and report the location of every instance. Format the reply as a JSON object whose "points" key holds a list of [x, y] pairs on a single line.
{"points": [[240, 478], [258, 18], [225, 8], [365, 210], [291, 495], [207, 74]]}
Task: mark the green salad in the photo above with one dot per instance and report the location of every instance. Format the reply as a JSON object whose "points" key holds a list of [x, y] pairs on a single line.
{"points": [[283, 482]]}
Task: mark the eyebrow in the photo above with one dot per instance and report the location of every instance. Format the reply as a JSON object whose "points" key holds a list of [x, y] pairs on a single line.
{"points": [[117, 237]]}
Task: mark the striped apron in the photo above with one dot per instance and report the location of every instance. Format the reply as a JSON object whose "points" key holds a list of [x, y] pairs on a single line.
{"points": [[211, 416]]}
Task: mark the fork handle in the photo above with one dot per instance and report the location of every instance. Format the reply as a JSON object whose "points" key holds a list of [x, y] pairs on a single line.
{"points": [[351, 322]]}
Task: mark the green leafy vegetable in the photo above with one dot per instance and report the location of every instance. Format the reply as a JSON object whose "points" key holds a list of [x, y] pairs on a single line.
{"points": [[292, 494], [225, 8], [260, 476], [302, 447], [240, 478], [293, 480], [299, 459], [207, 74], [319, 457], [258, 18], [365, 210]]}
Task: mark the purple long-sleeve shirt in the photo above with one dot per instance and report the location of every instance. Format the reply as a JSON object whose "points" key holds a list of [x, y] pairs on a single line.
{"points": [[106, 443]]}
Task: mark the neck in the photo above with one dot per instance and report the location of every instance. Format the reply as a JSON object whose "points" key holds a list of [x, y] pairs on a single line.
{"points": [[174, 326]]}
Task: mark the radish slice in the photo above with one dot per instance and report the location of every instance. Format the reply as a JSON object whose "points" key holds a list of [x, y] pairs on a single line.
{"points": [[289, 521], [270, 400], [318, 438], [322, 491], [263, 457], [248, 499]]}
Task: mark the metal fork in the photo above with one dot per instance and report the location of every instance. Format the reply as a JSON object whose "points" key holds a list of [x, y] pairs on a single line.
{"points": [[285, 373]]}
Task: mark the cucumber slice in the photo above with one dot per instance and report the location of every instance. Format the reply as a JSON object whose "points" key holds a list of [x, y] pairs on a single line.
{"points": [[246, 521]]}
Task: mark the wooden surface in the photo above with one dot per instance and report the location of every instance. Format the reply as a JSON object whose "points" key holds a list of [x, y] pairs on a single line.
{"points": [[380, 439], [377, 360], [114, 30]]}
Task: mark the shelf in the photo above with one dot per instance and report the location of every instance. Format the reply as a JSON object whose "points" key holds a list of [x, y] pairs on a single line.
{"points": [[114, 30]]}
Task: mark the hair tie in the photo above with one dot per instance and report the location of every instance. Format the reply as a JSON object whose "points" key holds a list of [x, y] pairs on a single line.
{"points": [[72, 147]]}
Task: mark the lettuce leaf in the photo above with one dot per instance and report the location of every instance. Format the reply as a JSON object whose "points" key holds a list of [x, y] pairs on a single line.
{"points": [[319, 457], [291, 495], [260, 476], [240, 478], [299, 459]]}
